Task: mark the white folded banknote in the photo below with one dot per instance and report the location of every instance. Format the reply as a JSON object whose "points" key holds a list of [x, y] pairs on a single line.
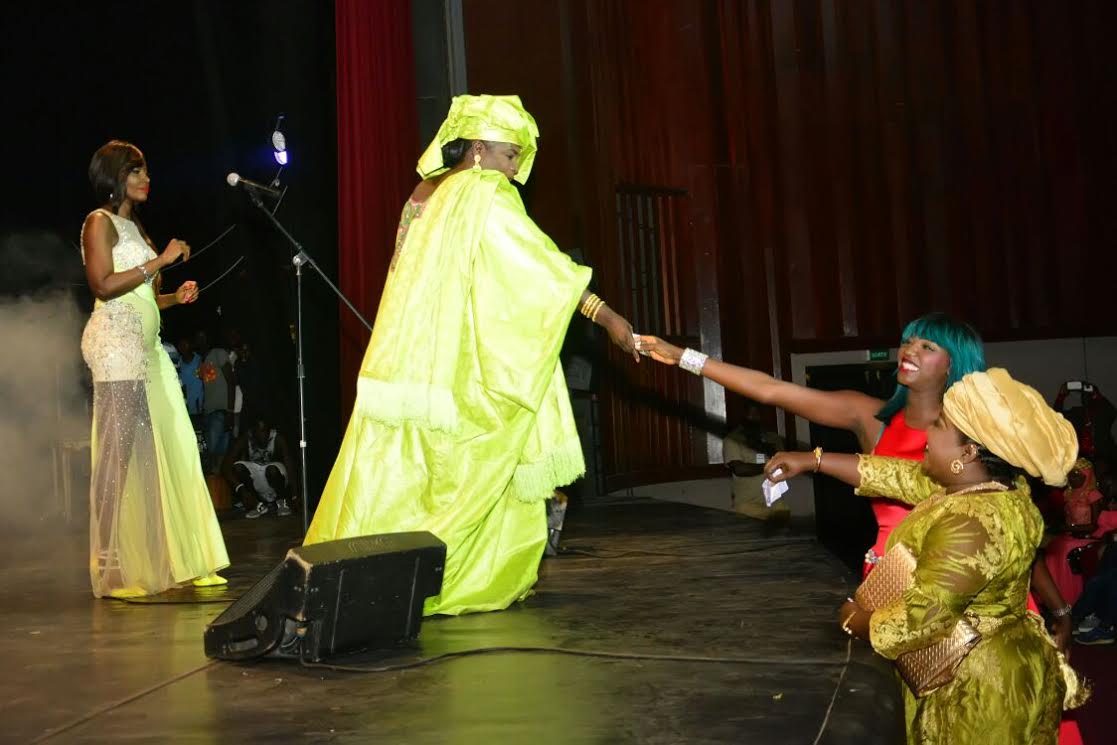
{"points": [[772, 492]]}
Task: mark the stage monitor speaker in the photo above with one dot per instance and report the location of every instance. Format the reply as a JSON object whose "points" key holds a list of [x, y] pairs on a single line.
{"points": [[333, 598]]}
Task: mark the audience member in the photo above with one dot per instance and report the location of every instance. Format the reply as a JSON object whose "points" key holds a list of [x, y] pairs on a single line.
{"points": [[220, 395], [193, 389], [1095, 612], [259, 466], [1084, 523]]}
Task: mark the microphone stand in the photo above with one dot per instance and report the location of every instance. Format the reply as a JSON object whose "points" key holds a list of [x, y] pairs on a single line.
{"points": [[300, 259]]}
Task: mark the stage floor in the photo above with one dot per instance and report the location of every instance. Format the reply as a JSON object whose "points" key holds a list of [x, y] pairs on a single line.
{"points": [[714, 585]]}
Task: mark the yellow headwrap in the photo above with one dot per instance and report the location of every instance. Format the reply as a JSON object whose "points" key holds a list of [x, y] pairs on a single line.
{"points": [[1013, 422], [490, 118]]}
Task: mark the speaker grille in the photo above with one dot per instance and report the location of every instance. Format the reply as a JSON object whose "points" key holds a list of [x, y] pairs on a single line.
{"points": [[250, 599]]}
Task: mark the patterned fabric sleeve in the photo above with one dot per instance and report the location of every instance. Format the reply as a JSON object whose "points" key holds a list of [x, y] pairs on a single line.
{"points": [[961, 552], [894, 478]]}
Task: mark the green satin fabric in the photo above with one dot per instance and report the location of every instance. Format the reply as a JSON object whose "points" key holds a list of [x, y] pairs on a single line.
{"points": [[462, 424], [974, 556]]}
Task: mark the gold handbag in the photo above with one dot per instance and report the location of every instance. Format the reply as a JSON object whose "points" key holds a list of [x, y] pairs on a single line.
{"points": [[925, 669]]}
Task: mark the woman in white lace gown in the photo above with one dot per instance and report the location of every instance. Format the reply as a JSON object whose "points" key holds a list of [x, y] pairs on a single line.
{"points": [[152, 524]]}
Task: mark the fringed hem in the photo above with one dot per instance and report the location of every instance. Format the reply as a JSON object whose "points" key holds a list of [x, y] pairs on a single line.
{"points": [[397, 403], [537, 481]]}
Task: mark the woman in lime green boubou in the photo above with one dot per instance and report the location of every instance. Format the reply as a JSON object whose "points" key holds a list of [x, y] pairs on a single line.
{"points": [[462, 424]]}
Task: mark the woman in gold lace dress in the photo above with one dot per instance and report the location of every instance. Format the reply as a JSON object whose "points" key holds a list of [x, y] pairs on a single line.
{"points": [[974, 532]]}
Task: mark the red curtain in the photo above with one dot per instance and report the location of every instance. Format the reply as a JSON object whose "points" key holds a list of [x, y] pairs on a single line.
{"points": [[377, 146]]}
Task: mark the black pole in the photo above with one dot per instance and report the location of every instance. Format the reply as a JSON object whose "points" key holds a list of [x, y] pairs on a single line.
{"points": [[300, 373], [299, 259]]}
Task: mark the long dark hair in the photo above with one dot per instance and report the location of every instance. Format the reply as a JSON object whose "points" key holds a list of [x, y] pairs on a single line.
{"points": [[108, 175]]}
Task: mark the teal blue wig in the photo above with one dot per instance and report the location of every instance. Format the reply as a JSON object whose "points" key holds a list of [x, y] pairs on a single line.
{"points": [[959, 339]]}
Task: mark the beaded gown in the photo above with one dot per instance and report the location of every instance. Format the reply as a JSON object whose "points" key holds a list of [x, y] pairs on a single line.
{"points": [[152, 524]]}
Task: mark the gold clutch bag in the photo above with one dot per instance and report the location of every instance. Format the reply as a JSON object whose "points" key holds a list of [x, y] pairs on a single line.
{"points": [[925, 669]]}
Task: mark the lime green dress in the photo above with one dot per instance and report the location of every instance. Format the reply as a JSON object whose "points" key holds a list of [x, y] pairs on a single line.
{"points": [[152, 524], [462, 424], [974, 557]]}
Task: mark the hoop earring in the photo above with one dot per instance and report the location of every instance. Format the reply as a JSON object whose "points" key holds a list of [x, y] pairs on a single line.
{"points": [[956, 466], [477, 161]]}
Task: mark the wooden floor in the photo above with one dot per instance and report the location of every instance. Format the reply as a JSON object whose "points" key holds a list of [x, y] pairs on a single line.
{"points": [[678, 580]]}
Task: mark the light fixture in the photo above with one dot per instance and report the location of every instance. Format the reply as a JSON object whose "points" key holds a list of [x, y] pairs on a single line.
{"points": [[279, 142]]}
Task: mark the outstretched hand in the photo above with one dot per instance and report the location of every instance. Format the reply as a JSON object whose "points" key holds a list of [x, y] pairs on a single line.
{"points": [[658, 349], [620, 332], [783, 466]]}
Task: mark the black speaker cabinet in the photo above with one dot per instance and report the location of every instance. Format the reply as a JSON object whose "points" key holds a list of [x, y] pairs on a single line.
{"points": [[333, 598]]}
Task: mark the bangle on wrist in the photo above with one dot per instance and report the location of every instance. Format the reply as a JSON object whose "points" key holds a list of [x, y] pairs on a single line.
{"points": [[1061, 612], [600, 305], [590, 306], [693, 361], [817, 459]]}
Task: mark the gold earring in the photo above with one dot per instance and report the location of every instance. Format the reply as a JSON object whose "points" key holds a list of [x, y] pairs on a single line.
{"points": [[477, 161], [956, 466]]}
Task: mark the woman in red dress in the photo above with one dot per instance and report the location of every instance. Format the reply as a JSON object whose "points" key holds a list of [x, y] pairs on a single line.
{"points": [[935, 351]]}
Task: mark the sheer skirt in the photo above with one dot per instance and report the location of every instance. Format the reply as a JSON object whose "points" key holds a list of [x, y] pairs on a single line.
{"points": [[127, 536], [128, 546]]}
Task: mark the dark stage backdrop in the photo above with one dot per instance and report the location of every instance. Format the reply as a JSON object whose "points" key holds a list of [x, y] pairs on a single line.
{"points": [[768, 177], [377, 124], [198, 86]]}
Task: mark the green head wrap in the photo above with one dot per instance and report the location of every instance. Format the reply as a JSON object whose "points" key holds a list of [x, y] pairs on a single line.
{"points": [[490, 118]]}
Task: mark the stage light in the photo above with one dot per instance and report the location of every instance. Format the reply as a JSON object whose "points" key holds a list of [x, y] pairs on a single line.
{"points": [[279, 142]]}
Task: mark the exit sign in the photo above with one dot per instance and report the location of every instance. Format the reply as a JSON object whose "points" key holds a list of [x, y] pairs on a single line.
{"points": [[876, 355]]}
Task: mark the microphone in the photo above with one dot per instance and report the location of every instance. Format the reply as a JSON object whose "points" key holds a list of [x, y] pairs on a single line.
{"points": [[234, 179]]}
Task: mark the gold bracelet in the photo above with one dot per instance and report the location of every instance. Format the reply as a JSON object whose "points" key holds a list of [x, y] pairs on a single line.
{"points": [[598, 302], [593, 318], [817, 459], [591, 307], [588, 303]]}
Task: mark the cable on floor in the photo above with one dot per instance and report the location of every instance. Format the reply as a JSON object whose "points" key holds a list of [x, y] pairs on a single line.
{"points": [[780, 661]]}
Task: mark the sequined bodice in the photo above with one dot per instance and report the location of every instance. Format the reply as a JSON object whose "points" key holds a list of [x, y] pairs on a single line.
{"points": [[131, 249]]}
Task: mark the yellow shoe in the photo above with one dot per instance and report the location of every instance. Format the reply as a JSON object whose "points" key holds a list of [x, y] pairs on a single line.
{"points": [[123, 593], [210, 581]]}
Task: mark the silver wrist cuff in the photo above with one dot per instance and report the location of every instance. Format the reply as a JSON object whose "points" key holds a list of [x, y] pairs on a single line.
{"points": [[148, 277], [693, 361], [1061, 612]]}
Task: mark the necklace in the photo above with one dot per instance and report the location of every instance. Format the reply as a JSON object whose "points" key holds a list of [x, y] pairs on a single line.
{"points": [[983, 486], [939, 496]]}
